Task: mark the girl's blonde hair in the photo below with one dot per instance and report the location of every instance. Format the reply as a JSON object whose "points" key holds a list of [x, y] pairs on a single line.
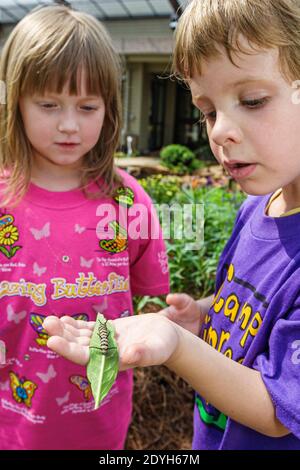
{"points": [[208, 24], [48, 48]]}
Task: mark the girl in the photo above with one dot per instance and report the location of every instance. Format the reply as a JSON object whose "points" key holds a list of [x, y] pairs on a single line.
{"points": [[245, 365], [69, 241]]}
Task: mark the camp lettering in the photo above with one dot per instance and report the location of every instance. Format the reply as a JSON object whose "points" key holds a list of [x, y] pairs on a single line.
{"points": [[231, 307]]}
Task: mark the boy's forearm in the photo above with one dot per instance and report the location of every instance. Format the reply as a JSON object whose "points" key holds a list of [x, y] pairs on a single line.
{"points": [[235, 390]]}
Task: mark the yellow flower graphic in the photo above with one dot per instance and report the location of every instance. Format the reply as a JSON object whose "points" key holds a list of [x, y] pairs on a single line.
{"points": [[9, 235]]}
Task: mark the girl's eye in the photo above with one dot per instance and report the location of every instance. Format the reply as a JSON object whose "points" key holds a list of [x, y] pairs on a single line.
{"points": [[88, 108], [53, 105], [47, 105]]}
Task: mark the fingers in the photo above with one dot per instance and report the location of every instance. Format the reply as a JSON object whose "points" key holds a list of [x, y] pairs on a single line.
{"points": [[75, 331], [56, 327], [53, 326], [71, 351], [179, 301], [78, 324]]}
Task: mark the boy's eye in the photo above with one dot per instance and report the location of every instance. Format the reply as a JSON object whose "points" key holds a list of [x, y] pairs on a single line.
{"points": [[254, 103], [208, 116], [251, 104]]}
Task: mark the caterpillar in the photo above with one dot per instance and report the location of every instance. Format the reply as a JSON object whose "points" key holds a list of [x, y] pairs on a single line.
{"points": [[103, 335]]}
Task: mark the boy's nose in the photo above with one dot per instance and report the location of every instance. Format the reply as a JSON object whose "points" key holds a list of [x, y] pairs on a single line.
{"points": [[225, 131]]}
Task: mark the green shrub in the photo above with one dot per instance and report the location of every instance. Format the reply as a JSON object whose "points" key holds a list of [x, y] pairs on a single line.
{"points": [[194, 271], [161, 189], [180, 159]]}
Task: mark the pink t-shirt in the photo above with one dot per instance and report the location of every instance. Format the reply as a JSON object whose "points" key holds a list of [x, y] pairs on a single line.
{"points": [[64, 254]]}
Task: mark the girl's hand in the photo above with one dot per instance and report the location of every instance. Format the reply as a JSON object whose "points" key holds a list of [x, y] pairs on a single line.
{"points": [[184, 311], [69, 338], [143, 340]]}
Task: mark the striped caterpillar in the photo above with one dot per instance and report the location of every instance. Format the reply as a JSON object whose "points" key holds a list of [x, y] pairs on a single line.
{"points": [[103, 335]]}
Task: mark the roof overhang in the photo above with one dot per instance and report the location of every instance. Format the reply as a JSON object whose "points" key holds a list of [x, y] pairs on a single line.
{"points": [[11, 11]]}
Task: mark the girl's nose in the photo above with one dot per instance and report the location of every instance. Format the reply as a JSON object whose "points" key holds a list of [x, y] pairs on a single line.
{"points": [[68, 123], [225, 131]]}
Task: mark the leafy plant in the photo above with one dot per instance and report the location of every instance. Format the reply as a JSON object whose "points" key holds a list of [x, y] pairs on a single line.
{"points": [[180, 159], [161, 189], [194, 271], [199, 266]]}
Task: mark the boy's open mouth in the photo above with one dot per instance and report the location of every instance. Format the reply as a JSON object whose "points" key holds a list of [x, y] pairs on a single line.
{"points": [[240, 170], [237, 165]]}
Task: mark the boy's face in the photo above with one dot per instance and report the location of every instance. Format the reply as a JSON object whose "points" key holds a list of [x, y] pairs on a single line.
{"points": [[252, 123]]}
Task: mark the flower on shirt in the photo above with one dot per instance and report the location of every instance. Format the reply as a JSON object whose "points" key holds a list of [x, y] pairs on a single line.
{"points": [[9, 235]]}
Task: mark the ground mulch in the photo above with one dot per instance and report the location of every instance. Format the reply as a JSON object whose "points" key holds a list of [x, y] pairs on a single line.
{"points": [[162, 413]]}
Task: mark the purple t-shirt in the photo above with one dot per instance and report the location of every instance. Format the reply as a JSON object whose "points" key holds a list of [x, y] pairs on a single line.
{"points": [[64, 254], [255, 320]]}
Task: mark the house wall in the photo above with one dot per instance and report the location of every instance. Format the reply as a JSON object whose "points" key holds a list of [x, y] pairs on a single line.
{"points": [[4, 32], [146, 46], [154, 27]]}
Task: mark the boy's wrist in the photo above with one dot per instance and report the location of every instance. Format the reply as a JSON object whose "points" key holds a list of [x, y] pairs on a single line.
{"points": [[204, 305], [174, 357], [202, 311]]}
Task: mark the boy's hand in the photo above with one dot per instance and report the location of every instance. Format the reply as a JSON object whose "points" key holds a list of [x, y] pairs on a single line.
{"points": [[143, 340], [184, 311]]}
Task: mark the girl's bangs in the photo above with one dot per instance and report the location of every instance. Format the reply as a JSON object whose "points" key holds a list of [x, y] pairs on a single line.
{"points": [[52, 72]]}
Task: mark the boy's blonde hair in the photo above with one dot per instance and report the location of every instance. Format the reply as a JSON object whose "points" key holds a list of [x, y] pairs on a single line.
{"points": [[49, 47], [208, 24]]}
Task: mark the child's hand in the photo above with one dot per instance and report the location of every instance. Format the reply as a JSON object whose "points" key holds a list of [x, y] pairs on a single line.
{"points": [[184, 311], [143, 340], [69, 338]]}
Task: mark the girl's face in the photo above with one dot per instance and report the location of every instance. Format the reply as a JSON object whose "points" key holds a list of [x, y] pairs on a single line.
{"points": [[252, 121], [62, 128]]}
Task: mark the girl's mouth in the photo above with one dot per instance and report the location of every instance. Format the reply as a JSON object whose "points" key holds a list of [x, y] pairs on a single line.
{"points": [[66, 145]]}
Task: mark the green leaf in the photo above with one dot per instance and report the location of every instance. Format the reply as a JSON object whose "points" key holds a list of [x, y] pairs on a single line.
{"points": [[11, 253], [102, 368], [13, 250], [5, 251]]}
